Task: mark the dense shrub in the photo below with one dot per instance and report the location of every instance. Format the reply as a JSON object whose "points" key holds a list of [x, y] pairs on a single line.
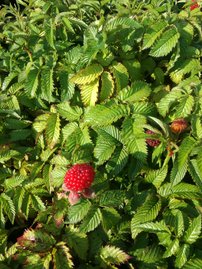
{"points": [[116, 84]]}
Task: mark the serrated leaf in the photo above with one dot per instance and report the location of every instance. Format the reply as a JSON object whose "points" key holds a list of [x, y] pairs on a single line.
{"points": [[37, 203], [110, 218], [62, 258], [87, 75], [107, 86], [71, 113], [165, 44], [112, 198], [77, 241], [118, 160], [172, 248], [139, 90], [156, 177], [7, 154], [52, 132], [79, 211], [121, 75], [102, 115], [194, 231], [113, 255], [89, 93], [178, 173], [153, 33], [194, 263], [49, 31], [185, 149], [185, 106], [92, 220], [8, 80], [8, 206], [40, 122], [47, 84], [167, 101], [32, 82], [149, 255], [182, 256], [195, 173]]}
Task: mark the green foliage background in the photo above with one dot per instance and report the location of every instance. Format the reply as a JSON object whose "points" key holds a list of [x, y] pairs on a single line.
{"points": [[81, 81]]}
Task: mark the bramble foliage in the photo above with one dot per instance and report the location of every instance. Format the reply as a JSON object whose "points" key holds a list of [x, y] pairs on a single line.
{"points": [[81, 82]]}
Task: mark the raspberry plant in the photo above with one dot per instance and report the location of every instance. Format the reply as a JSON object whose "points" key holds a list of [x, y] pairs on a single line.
{"points": [[81, 82]]}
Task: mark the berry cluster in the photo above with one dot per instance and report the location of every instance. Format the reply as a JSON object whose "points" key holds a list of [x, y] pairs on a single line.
{"points": [[178, 125], [78, 180], [152, 142]]}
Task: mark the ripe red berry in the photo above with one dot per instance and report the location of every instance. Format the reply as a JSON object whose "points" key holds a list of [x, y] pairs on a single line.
{"points": [[194, 5], [178, 126], [152, 142], [79, 177]]}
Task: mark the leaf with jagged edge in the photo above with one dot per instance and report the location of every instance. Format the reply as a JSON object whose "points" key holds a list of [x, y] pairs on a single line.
{"points": [[195, 172], [40, 122], [103, 149], [184, 67], [139, 90], [110, 218], [144, 108], [47, 84], [185, 149], [185, 106], [168, 100], [102, 115], [62, 257], [52, 131], [71, 113], [194, 230], [145, 213], [8, 206], [172, 248], [18, 198], [26, 204], [178, 222], [113, 198], [8, 154], [156, 177], [113, 255], [196, 126], [132, 134], [182, 255], [107, 86], [199, 161], [87, 75], [165, 43], [89, 93], [118, 160], [32, 82], [120, 74], [37, 203], [68, 130], [77, 241], [49, 28], [8, 80], [13, 182], [67, 87], [78, 211], [153, 33], [178, 173], [149, 254], [122, 22], [194, 263], [91, 220]]}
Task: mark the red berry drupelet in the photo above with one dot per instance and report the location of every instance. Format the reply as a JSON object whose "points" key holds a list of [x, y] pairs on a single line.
{"points": [[194, 5], [152, 142], [79, 177]]}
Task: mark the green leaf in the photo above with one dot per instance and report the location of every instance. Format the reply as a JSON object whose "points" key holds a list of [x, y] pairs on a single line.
{"points": [[112, 198], [172, 248], [194, 231], [8, 206], [92, 220], [37, 203], [194, 263], [87, 75], [79, 211], [185, 107], [107, 86], [102, 115], [182, 256], [121, 75], [152, 33], [165, 44], [62, 257], [7, 154], [40, 122], [118, 160], [110, 218], [195, 173], [178, 173], [149, 255], [113, 255], [52, 132], [89, 93], [32, 82], [185, 149], [49, 31], [8, 80], [47, 85], [71, 113], [77, 241], [139, 90], [156, 177]]}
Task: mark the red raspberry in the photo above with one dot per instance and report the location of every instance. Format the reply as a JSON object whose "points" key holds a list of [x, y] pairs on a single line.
{"points": [[178, 126], [194, 5], [79, 177], [152, 142]]}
